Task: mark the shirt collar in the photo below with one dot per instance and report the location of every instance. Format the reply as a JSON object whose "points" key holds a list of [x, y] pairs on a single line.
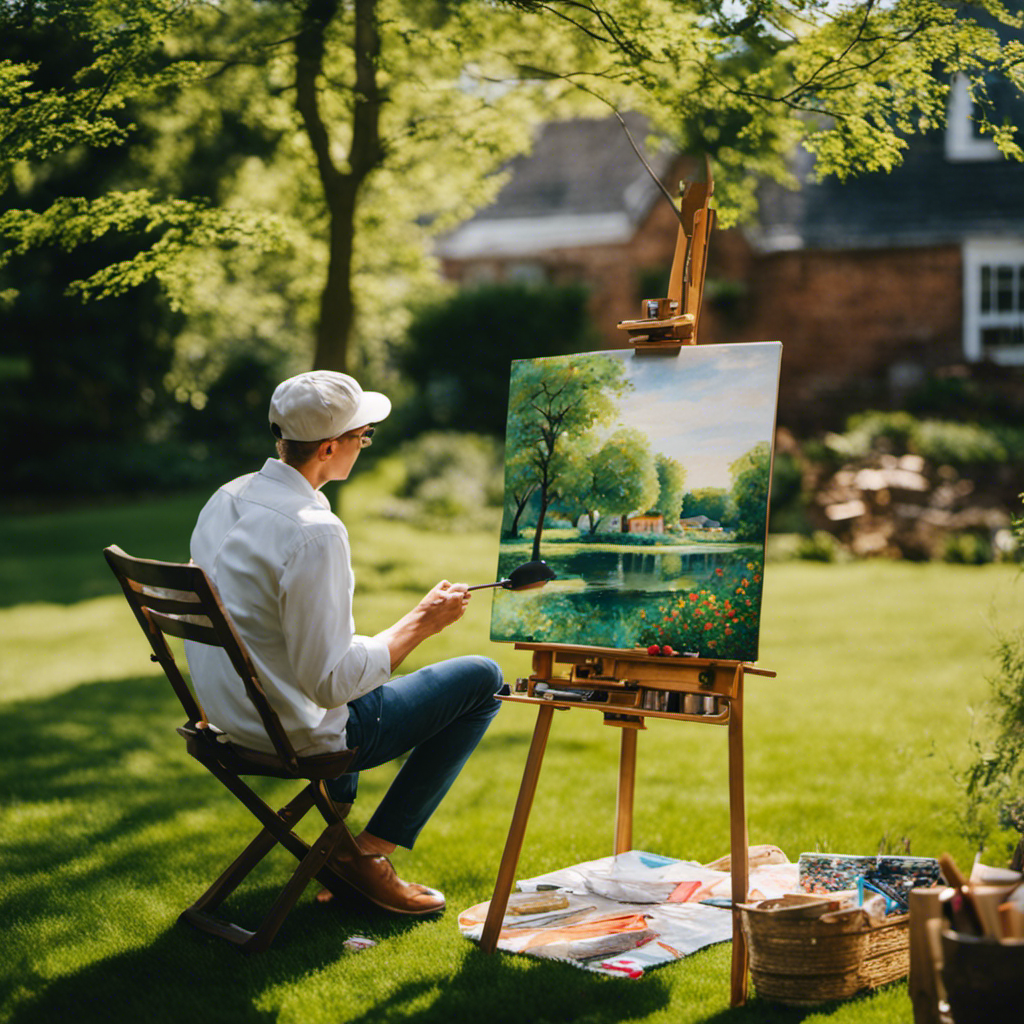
{"points": [[280, 472]]}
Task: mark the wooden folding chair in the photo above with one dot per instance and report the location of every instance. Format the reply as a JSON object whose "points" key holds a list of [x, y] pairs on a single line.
{"points": [[171, 599]]}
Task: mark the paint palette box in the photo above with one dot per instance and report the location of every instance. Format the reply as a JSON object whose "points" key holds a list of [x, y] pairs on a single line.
{"points": [[827, 872]]}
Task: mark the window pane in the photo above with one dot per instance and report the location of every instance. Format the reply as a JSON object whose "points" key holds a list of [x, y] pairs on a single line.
{"points": [[1004, 289], [1002, 337], [986, 289]]}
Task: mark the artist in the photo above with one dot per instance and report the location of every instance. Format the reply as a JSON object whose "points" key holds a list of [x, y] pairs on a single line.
{"points": [[280, 558]]}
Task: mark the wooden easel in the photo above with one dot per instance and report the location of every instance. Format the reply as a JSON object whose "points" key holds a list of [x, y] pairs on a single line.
{"points": [[631, 685], [628, 686], [672, 321]]}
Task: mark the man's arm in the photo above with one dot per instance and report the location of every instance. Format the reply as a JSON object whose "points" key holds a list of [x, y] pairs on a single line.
{"points": [[445, 604]]}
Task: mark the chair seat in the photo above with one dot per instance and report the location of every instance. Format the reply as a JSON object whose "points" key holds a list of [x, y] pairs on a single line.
{"points": [[205, 743]]}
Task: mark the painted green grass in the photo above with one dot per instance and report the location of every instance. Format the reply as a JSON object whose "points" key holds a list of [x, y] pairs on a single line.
{"points": [[107, 829]]}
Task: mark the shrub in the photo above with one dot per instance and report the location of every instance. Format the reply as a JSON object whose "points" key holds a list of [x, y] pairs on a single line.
{"points": [[819, 546], [994, 781], [958, 444], [460, 350], [967, 549], [449, 480], [942, 442]]}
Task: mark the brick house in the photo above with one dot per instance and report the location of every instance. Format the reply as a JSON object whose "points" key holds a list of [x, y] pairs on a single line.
{"points": [[579, 207], [878, 284], [872, 286]]}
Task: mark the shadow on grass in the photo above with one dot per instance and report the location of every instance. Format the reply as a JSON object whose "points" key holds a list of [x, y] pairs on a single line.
{"points": [[757, 1010], [485, 989], [58, 557], [110, 830]]}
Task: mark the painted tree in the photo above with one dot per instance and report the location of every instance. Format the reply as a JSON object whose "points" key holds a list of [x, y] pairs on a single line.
{"points": [[751, 476], [552, 403], [625, 476], [671, 487], [520, 486], [712, 502], [577, 497]]}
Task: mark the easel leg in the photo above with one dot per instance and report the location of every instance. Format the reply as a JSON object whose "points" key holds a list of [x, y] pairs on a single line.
{"points": [[738, 845], [626, 791], [516, 832]]}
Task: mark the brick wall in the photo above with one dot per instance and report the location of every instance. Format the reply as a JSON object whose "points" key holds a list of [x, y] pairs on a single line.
{"points": [[856, 326]]}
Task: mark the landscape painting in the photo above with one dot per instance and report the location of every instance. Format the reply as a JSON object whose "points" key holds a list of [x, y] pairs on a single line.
{"points": [[642, 480]]}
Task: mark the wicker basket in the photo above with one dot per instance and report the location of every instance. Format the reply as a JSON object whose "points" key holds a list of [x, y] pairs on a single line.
{"points": [[806, 962]]}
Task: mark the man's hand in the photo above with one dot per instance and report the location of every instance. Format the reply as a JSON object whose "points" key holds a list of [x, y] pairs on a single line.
{"points": [[446, 603], [443, 605]]}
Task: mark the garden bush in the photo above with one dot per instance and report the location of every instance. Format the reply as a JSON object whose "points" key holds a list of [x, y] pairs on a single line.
{"points": [[819, 546], [448, 480], [943, 442], [968, 548], [994, 782]]}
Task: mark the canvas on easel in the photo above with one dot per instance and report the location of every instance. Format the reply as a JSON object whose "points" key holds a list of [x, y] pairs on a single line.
{"points": [[637, 485], [642, 479]]}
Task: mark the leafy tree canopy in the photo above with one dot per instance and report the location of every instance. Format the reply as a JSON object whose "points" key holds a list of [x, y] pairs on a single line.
{"points": [[712, 502], [387, 121], [671, 487], [751, 476]]}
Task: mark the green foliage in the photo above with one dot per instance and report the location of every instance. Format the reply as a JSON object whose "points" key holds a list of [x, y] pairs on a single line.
{"points": [[449, 481], [625, 477], [994, 781], [258, 169], [712, 502], [553, 405], [968, 548], [460, 350], [939, 441], [750, 475], [819, 546], [671, 488]]}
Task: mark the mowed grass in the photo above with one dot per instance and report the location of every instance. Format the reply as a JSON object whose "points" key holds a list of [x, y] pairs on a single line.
{"points": [[108, 830]]}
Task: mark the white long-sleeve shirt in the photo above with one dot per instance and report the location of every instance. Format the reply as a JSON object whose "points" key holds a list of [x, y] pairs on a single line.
{"points": [[280, 559]]}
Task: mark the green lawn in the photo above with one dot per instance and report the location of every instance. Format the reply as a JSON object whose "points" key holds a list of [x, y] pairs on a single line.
{"points": [[108, 829]]}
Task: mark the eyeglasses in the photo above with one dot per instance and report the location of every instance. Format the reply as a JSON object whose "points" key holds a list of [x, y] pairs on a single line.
{"points": [[365, 439]]}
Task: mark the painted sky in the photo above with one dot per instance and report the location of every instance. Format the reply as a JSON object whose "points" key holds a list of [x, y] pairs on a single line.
{"points": [[705, 407]]}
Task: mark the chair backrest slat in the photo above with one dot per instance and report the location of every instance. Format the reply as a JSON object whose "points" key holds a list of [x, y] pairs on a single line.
{"points": [[180, 600], [192, 628]]}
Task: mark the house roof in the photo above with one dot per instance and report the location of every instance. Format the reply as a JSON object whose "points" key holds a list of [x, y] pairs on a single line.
{"points": [[952, 185], [928, 200], [581, 184]]}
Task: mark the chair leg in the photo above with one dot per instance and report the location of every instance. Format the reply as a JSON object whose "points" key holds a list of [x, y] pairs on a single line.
{"points": [[277, 829], [311, 864]]}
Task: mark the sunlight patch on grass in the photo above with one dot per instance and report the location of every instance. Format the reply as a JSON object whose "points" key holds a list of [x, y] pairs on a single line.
{"points": [[49, 648], [110, 830]]}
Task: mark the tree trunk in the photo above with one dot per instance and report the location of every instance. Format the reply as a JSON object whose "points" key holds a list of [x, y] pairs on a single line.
{"points": [[340, 188], [520, 507], [540, 522]]}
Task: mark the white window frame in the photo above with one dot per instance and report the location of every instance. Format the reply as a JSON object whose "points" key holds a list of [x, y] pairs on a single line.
{"points": [[979, 314], [962, 143]]}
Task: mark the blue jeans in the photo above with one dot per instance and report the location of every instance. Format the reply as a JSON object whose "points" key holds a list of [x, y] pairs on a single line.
{"points": [[439, 713]]}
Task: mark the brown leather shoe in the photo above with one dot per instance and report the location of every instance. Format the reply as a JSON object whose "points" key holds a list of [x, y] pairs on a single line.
{"points": [[373, 877]]}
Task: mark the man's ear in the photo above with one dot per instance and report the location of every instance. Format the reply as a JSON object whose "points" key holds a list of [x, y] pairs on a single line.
{"points": [[326, 450]]}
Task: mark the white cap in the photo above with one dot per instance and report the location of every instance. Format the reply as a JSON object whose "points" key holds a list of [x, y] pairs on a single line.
{"points": [[321, 404]]}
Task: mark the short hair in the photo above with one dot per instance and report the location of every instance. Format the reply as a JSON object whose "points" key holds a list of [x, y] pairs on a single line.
{"points": [[298, 453]]}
